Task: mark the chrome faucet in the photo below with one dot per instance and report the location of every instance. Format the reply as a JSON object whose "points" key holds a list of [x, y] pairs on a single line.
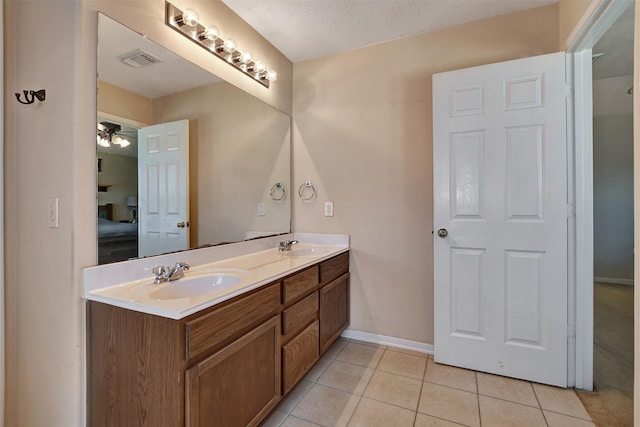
{"points": [[286, 245], [169, 274]]}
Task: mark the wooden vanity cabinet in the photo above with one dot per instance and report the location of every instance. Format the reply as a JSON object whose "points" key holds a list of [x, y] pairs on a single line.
{"points": [[334, 299], [228, 365], [135, 368], [316, 312], [300, 327], [220, 366], [240, 384]]}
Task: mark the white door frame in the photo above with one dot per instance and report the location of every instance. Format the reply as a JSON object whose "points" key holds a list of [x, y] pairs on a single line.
{"points": [[598, 18], [2, 368]]}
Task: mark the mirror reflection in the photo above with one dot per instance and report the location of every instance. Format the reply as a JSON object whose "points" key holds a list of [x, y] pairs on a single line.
{"points": [[184, 159]]}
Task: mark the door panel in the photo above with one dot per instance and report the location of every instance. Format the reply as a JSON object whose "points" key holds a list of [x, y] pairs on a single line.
{"points": [[163, 154], [500, 192]]}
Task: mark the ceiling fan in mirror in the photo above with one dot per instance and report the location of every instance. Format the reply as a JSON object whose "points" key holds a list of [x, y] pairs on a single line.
{"points": [[108, 135]]}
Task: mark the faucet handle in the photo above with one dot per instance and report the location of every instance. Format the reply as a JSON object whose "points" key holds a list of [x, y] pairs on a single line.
{"points": [[160, 273], [285, 245], [181, 265]]}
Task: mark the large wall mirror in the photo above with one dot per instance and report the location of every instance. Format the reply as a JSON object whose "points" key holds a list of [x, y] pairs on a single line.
{"points": [[184, 159]]}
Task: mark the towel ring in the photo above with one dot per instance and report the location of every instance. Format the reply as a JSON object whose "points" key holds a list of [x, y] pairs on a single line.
{"points": [[307, 191], [278, 192]]}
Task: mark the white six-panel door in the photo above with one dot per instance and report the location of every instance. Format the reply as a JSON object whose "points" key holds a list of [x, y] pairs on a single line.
{"points": [[500, 218], [163, 188]]}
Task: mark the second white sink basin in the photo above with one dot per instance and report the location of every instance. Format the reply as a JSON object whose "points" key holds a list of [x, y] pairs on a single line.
{"points": [[195, 286]]}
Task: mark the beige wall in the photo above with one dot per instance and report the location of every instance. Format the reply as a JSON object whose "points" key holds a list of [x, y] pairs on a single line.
{"points": [[238, 148], [573, 14], [122, 103], [47, 146], [613, 197], [120, 173], [50, 152], [363, 135]]}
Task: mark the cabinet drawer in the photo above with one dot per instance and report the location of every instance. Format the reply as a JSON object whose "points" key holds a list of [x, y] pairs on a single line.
{"points": [[299, 356], [210, 330], [300, 284], [300, 314], [334, 267]]}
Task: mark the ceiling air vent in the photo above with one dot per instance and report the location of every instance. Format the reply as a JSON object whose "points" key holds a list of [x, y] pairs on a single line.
{"points": [[138, 58]]}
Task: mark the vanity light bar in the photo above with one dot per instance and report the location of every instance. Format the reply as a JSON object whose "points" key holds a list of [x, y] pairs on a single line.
{"points": [[187, 23]]}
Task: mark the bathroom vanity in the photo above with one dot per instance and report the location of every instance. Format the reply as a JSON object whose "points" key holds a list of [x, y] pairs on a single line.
{"points": [[227, 362]]}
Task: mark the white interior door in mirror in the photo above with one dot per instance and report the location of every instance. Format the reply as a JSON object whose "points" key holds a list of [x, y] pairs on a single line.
{"points": [[163, 188], [500, 189]]}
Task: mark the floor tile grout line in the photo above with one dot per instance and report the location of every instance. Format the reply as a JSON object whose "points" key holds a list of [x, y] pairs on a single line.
{"points": [[415, 417], [478, 399], [516, 403], [393, 404], [567, 415], [355, 364], [400, 375], [454, 388], [354, 411]]}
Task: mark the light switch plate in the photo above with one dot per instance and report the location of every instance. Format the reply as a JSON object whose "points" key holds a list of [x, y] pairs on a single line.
{"points": [[52, 213], [261, 209], [328, 208]]}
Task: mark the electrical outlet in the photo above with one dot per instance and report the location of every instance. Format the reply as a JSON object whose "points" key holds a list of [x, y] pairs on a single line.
{"points": [[52, 213], [328, 208], [261, 209]]}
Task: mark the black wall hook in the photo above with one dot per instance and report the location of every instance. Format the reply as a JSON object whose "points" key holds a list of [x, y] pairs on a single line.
{"points": [[30, 96]]}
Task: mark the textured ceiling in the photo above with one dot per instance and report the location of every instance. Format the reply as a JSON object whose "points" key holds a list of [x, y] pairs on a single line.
{"points": [[616, 46], [307, 29]]}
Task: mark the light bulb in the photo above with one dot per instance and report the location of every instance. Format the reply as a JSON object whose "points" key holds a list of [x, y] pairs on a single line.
{"points": [[122, 142], [103, 142], [246, 57], [259, 67], [272, 76], [211, 33], [189, 17], [229, 45]]}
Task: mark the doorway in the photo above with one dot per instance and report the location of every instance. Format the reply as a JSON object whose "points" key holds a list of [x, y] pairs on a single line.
{"points": [[117, 192], [612, 71]]}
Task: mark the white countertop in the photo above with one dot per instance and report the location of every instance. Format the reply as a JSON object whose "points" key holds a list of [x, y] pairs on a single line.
{"points": [[254, 263]]}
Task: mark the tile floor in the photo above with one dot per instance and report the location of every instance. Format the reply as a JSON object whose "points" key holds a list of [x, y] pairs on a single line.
{"points": [[362, 384]]}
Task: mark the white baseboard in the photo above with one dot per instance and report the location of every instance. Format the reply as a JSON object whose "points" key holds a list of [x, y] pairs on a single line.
{"points": [[390, 341], [613, 281]]}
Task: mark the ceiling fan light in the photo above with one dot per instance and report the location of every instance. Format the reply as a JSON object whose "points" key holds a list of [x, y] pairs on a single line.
{"points": [[103, 142], [121, 141]]}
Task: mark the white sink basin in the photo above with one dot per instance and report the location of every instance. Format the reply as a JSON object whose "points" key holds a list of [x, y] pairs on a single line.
{"points": [[195, 285]]}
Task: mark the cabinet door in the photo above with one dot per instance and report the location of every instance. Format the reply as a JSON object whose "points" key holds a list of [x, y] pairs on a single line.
{"points": [[334, 310], [240, 384], [298, 356]]}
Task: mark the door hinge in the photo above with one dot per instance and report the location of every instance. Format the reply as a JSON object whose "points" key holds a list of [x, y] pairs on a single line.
{"points": [[571, 210]]}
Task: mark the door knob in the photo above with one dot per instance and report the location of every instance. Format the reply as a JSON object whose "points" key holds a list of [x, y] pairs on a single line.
{"points": [[181, 224], [442, 233]]}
